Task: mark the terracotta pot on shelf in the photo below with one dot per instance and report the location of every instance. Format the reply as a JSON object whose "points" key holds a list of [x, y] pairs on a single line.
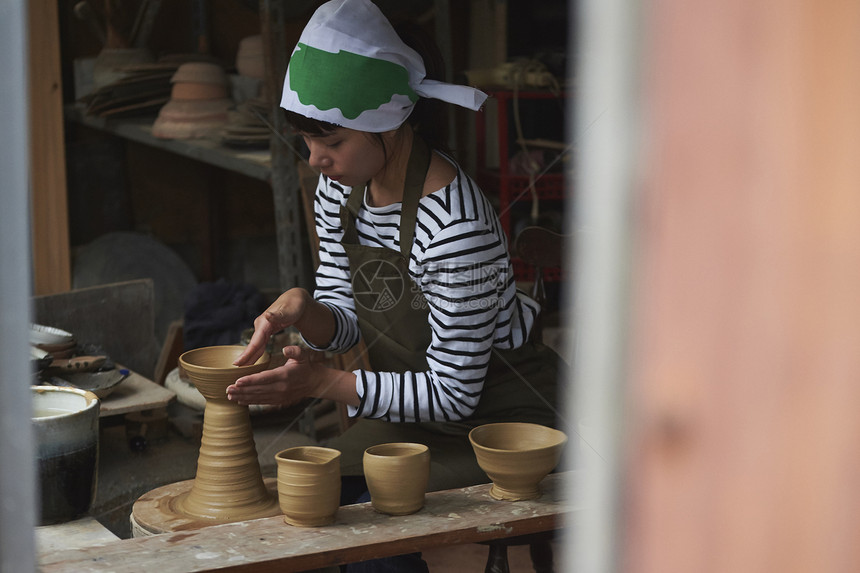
{"points": [[191, 119], [249, 57], [198, 106], [197, 91], [200, 72]]}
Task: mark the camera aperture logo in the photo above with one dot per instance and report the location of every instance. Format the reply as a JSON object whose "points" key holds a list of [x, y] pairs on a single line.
{"points": [[377, 285]]}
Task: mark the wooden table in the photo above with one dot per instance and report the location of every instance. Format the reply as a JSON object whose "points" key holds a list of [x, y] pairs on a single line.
{"points": [[451, 517], [81, 533]]}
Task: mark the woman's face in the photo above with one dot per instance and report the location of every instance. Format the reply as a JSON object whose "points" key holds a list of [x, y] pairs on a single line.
{"points": [[346, 156]]}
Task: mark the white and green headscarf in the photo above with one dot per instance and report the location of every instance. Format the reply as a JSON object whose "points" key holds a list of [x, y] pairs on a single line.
{"points": [[351, 69]]}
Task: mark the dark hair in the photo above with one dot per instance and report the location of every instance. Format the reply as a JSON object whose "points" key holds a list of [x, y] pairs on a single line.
{"points": [[428, 118]]}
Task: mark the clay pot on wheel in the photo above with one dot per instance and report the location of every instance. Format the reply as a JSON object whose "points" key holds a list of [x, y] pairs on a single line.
{"points": [[229, 485], [397, 475], [309, 485]]}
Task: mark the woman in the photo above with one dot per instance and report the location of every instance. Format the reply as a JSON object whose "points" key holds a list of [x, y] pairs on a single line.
{"points": [[412, 259]]}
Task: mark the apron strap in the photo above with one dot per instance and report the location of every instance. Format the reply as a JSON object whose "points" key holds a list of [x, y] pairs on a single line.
{"points": [[413, 189]]}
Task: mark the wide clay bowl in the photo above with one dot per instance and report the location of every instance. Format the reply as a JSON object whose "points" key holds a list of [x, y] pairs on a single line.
{"points": [[211, 368], [516, 456]]}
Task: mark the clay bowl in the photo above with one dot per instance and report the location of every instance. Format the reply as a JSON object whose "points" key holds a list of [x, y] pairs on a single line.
{"points": [[211, 369], [48, 335], [102, 384], [198, 90], [64, 350], [190, 119], [516, 456], [200, 72]]}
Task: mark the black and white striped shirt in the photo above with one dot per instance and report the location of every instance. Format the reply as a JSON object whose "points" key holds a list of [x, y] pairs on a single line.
{"points": [[459, 260]]}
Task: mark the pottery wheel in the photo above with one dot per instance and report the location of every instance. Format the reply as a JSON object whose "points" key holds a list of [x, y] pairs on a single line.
{"points": [[157, 511]]}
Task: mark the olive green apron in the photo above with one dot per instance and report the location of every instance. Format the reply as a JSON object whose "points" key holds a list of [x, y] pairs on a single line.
{"points": [[393, 318]]}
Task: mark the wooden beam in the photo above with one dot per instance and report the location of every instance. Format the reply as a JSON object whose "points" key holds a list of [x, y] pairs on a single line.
{"points": [[452, 517], [50, 224]]}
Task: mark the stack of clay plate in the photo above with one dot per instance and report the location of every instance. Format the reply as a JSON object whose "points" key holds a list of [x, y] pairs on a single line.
{"points": [[198, 103], [248, 126], [143, 89]]}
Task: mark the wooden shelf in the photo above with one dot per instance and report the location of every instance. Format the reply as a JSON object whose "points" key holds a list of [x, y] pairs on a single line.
{"points": [[256, 164]]}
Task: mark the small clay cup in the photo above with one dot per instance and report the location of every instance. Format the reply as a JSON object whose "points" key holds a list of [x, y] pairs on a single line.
{"points": [[516, 456], [397, 475], [308, 485]]}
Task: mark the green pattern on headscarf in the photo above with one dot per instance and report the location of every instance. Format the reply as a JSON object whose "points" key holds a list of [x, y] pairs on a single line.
{"points": [[367, 82]]}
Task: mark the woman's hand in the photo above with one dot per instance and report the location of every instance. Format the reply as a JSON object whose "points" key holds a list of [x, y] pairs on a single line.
{"points": [[299, 378], [284, 312]]}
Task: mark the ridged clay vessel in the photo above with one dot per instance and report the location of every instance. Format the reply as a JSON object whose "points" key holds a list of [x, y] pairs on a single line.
{"points": [[228, 486], [308, 485]]}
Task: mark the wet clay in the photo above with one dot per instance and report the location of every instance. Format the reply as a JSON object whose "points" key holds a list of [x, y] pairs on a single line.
{"points": [[516, 457], [229, 485]]}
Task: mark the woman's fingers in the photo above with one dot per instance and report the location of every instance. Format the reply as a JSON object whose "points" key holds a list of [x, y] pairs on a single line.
{"points": [[266, 387], [295, 353], [250, 355], [281, 314]]}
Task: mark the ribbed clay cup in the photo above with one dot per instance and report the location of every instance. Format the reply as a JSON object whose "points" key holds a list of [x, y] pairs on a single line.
{"points": [[516, 456], [397, 475], [308, 485], [229, 485]]}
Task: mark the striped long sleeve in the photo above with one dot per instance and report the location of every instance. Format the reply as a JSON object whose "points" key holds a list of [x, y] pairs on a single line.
{"points": [[459, 261]]}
